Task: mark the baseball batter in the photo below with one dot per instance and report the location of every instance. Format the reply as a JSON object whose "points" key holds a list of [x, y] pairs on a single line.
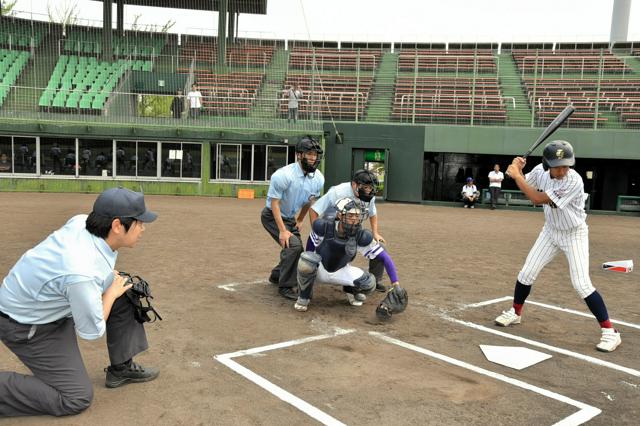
{"points": [[560, 190], [336, 242]]}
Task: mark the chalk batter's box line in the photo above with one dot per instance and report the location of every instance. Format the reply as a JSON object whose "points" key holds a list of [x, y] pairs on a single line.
{"points": [[585, 412]]}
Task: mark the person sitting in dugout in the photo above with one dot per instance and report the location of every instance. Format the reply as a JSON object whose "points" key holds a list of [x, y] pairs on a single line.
{"points": [[336, 240], [67, 285]]}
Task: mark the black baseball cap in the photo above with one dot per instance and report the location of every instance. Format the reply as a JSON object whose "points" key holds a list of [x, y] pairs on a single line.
{"points": [[123, 202]]}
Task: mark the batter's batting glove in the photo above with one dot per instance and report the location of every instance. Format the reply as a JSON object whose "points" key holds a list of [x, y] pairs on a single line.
{"points": [[394, 302]]}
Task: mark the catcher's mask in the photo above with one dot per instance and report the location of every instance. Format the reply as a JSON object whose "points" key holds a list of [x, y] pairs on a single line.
{"points": [[308, 144], [366, 184], [349, 214]]}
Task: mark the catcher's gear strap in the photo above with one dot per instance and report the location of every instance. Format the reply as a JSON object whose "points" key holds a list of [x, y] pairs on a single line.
{"points": [[140, 290], [365, 283]]}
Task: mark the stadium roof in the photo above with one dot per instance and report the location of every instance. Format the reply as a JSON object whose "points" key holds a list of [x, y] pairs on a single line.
{"points": [[257, 7]]}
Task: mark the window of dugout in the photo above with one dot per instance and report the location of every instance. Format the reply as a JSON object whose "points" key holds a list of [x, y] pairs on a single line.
{"points": [[248, 162], [58, 156]]}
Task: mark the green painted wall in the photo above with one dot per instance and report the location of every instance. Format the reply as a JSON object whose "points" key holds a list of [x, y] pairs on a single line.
{"points": [[614, 144], [405, 144]]}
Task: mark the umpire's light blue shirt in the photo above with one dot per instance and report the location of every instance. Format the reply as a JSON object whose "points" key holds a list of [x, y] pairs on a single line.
{"points": [[335, 193], [65, 275], [293, 188]]}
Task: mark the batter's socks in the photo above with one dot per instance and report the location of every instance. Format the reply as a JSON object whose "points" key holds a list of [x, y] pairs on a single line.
{"points": [[598, 309], [520, 294]]}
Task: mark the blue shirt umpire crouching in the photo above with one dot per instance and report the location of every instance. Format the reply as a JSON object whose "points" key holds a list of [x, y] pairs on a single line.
{"points": [[291, 191], [67, 285]]}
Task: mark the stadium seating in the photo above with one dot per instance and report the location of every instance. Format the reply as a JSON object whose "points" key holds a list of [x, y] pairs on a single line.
{"points": [[448, 99], [136, 44], [322, 59], [440, 60], [328, 96], [20, 34], [568, 61], [12, 62], [241, 55], [227, 94], [552, 95], [83, 84]]}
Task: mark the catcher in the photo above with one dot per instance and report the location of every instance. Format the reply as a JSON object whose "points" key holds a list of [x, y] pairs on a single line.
{"points": [[337, 240]]}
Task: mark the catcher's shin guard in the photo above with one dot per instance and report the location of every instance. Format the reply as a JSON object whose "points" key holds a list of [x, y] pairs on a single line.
{"points": [[307, 271], [366, 283]]}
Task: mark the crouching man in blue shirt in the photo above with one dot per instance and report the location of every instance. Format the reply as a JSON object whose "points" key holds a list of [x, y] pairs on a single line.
{"points": [[67, 285]]}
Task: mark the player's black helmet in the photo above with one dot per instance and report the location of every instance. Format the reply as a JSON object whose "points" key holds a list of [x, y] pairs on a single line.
{"points": [[346, 207], [365, 177], [307, 144], [558, 154]]}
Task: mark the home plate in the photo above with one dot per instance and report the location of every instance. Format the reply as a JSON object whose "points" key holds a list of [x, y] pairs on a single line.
{"points": [[513, 356]]}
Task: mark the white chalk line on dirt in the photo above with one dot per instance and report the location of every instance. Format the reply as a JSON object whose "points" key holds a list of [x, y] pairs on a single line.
{"points": [[562, 351], [554, 307], [586, 412], [229, 286], [275, 390]]}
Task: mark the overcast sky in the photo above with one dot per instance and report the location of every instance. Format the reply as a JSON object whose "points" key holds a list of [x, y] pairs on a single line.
{"points": [[373, 20]]}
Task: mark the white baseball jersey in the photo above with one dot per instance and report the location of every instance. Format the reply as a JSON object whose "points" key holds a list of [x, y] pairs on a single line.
{"points": [[564, 230], [567, 196]]}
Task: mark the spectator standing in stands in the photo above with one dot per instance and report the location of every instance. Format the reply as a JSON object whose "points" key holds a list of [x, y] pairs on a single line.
{"points": [[294, 94], [5, 163], [495, 184], [470, 194], [195, 101], [177, 105]]}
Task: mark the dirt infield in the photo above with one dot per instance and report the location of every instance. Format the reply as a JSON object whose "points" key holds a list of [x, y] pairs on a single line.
{"points": [[447, 259]]}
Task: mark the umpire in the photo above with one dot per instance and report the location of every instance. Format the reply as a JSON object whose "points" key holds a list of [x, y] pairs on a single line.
{"points": [[292, 190], [67, 285]]}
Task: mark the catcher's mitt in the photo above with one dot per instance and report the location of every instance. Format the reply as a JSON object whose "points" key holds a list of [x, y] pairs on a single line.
{"points": [[394, 302]]}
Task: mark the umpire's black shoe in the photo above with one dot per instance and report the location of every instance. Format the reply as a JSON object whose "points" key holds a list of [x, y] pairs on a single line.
{"points": [[380, 287], [288, 293], [274, 278], [131, 373]]}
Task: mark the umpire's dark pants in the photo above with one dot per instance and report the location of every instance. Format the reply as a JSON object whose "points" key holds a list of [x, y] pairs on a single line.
{"points": [[287, 268], [60, 384]]}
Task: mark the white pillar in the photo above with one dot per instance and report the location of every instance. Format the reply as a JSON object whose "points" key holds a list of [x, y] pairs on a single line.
{"points": [[620, 21]]}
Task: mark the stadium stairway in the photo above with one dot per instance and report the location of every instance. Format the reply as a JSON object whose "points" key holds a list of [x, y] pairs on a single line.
{"points": [[381, 95], [34, 78], [266, 106], [509, 79]]}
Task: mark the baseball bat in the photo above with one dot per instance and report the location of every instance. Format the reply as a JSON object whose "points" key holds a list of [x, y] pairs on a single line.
{"points": [[551, 128]]}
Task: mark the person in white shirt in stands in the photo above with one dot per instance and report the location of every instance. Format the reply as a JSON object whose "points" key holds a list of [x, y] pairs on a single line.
{"points": [[195, 101], [294, 94], [495, 184], [470, 194]]}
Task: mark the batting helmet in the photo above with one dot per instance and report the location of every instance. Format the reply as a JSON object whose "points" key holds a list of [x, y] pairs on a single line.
{"points": [[307, 144], [365, 177], [558, 154]]}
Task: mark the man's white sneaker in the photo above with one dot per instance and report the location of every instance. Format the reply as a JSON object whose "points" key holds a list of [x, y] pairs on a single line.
{"points": [[609, 340], [352, 300], [508, 318]]}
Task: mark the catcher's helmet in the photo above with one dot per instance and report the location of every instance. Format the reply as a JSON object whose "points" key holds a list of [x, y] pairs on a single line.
{"points": [[365, 177], [347, 207], [307, 144], [558, 154]]}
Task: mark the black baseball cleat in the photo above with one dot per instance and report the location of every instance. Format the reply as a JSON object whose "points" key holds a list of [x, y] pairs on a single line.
{"points": [[380, 287], [131, 373], [288, 293], [274, 278]]}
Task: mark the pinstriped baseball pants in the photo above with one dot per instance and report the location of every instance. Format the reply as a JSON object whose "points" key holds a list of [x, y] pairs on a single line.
{"points": [[574, 243]]}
